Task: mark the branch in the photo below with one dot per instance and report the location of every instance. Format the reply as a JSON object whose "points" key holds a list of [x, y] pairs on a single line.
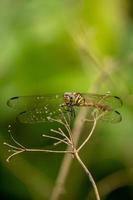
{"points": [[89, 136], [55, 138], [17, 151], [19, 148], [89, 175], [114, 181]]}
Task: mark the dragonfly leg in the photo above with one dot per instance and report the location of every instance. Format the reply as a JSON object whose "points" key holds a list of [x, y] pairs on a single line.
{"points": [[69, 109], [72, 111]]}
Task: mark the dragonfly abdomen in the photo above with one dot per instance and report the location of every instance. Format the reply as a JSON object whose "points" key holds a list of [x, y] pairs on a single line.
{"points": [[98, 106], [103, 107]]}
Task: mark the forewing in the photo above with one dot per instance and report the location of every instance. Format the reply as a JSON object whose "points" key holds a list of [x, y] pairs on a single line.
{"points": [[36, 109], [32, 102], [111, 102]]}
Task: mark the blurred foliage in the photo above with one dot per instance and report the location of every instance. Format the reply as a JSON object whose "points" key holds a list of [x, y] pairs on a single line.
{"points": [[57, 46]]}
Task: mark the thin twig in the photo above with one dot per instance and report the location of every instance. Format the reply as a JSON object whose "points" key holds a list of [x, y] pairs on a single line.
{"points": [[17, 150], [70, 141], [55, 138], [12, 146], [16, 153], [88, 174], [59, 142], [16, 142], [60, 132], [47, 150], [111, 182], [67, 126], [89, 136]]}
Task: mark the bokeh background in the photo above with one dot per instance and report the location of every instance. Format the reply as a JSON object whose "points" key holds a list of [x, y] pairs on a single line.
{"points": [[57, 46]]}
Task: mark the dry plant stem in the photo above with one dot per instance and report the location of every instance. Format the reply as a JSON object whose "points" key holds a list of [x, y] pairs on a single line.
{"points": [[60, 132], [35, 150], [91, 132], [59, 187], [89, 136], [14, 154], [59, 142], [81, 162], [47, 151], [55, 138], [88, 174], [114, 181], [18, 150], [66, 163]]}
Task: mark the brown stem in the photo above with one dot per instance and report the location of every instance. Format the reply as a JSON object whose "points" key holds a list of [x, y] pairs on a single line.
{"points": [[89, 136], [88, 174], [113, 181]]}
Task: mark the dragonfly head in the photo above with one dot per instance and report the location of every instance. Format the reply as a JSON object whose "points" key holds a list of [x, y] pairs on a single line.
{"points": [[72, 98]]}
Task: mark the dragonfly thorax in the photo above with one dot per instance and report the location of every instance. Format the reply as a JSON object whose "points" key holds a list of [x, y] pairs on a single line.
{"points": [[73, 99]]}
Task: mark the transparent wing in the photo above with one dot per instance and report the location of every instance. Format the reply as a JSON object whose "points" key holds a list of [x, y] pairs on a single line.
{"points": [[107, 116], [113, 117], [38, 115], [112, 102], [105, 106], [36, 109], [32, 102]]}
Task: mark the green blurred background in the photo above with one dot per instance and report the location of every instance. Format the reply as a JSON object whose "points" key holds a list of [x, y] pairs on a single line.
{"points": [[66, 45]]}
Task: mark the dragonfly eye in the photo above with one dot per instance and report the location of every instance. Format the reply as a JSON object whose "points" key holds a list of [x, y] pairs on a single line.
{"points": [[67, 98]]}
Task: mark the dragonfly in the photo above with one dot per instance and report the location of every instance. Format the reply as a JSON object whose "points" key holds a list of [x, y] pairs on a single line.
{"points": [[40, 108]]}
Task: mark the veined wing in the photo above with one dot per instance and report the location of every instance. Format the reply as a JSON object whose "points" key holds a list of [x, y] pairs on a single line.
{"points": [[107, 116], [36, 109], [33, 109], [113, 117], [102, 105], [39, 115], [36, 101], [109, 101]]}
